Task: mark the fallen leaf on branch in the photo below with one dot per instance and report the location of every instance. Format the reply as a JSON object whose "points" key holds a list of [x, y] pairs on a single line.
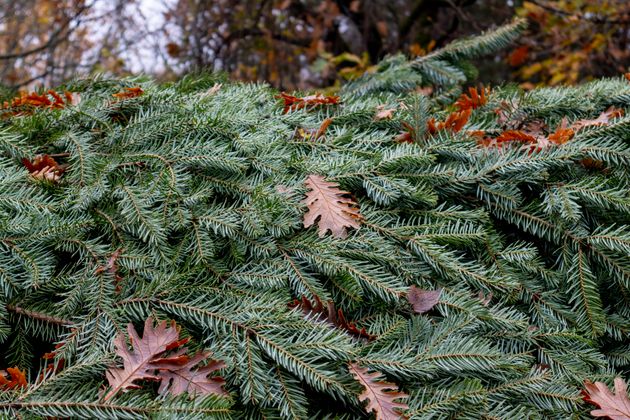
{"points": [[328, 313], [406, 136], [129, 93], [473, 99], [328, 203], [383, 113], [381, 396], [179, 376], [137, 362], [603, 119], [614, 406], [562, 134], [147, 361], [12, 378], [44, 167], [292, 103], [454, 122], [423, 300]]}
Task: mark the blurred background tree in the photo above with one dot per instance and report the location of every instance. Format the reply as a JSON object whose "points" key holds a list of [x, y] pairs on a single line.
{"points": [[300, 43]]}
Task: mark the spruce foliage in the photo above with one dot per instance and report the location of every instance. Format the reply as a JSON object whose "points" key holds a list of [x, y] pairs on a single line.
{"points": [[186, 203]]}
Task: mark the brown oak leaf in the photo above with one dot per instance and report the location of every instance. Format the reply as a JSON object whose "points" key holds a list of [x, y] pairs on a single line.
{"points": [[614, 406], [179, 375], [423, 300], [328, 203], [381, 396], [17, 379], [137, 362]]}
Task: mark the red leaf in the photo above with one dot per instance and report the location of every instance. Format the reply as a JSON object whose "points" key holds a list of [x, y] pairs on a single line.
{"points": [[614, 406], [518, 56], [381, 396], [423, 300]]}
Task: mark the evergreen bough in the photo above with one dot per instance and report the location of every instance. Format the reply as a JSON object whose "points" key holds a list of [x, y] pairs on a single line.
{"points": [[200, 191]]}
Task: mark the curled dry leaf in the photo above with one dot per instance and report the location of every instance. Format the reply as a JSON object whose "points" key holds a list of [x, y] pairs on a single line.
{"points": [[423, 300], [292, 103], [614, 406], [44, 167], [454, 122], [12, 378], [473, 100], [328, 204], [381, 396], [317, 310]]}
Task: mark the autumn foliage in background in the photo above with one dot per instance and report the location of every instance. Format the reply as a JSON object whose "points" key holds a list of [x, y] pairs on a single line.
{"points": [[301, 43]]}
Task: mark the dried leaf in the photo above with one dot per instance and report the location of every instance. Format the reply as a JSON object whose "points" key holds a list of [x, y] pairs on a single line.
{"points": [[383, 113], [380, 395], [292, 103], [129, 93], [406, 136], [112, 268], [614, 406], [603, 119], [17, 379], [137, 362], [328, 313], [518, 56], [327, 203], [179, 375], [212, 91], [454, 122], [423, 300], [44, 167], [473, 99]]}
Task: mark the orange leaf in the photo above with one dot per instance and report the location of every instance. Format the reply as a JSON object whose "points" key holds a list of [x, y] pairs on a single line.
{"points": [[18, 379], [129, 93], [473, 100], [326, 203], [515, 135], [381, 396], [614, 406]]}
